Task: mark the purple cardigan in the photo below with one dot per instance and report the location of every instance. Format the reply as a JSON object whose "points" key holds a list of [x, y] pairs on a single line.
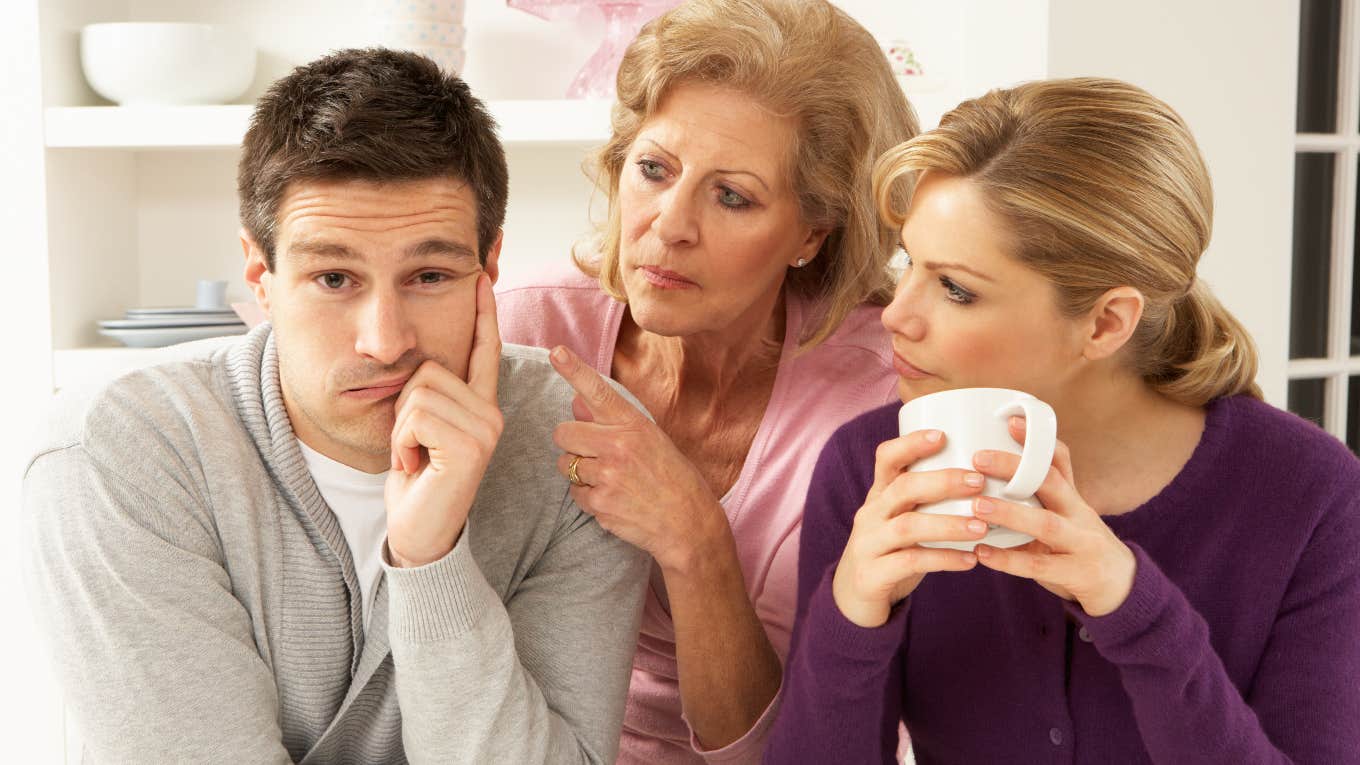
{"points": [[1239, 643]]}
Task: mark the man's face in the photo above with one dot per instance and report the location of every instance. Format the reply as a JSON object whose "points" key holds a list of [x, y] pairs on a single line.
{"points": [[369, 281]]}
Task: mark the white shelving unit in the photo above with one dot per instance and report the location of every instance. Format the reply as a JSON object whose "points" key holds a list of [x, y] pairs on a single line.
{"points": [[140, 202], [522, 123]]}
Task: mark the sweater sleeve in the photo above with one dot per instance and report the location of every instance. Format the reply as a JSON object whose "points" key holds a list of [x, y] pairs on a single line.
{"points": [[841, 699], [541, 678], [155, 653], [745, 749], [1303, 704]]}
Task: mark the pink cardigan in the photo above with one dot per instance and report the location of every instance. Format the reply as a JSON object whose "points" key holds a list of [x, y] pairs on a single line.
{"points": [[814, 393]]}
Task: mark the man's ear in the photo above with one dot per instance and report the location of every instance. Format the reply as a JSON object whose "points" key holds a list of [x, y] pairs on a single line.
{"points": [[493, 258], [257, 271], [1112, 321]]}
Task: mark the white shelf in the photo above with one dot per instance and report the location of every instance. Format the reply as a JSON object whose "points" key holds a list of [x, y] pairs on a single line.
{"points": [[544, 122]]}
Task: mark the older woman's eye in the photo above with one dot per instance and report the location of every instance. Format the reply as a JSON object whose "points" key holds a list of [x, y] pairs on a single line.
{"points": [[730, 198], [652, 171]]}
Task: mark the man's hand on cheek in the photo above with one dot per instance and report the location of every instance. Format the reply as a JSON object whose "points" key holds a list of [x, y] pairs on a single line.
{"points": [[444, 433]]}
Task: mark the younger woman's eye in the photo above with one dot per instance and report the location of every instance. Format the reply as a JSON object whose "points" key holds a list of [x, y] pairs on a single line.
{"points": [[652, 171], [332, 280], [957, 293], [730, 198]]}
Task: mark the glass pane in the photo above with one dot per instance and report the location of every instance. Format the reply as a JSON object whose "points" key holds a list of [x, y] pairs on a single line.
{"points": [[1305, 399], [1319, 49], [1355, 282], [1312, 255], [1353, 415]]}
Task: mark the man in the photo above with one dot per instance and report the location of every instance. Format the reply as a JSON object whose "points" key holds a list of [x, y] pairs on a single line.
{"points": [[342, 538]]}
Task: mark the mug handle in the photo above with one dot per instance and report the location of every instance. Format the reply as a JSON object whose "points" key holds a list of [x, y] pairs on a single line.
{"points": [[1041, 438]]}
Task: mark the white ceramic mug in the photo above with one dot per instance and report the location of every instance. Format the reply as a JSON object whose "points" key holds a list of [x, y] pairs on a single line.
{"points": [[977, 419]]}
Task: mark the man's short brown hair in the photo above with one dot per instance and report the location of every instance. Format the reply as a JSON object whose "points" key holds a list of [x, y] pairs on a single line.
{"points": [[372, 115]]}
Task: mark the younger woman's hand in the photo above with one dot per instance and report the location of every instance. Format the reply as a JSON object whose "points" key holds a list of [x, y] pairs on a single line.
{"points": [[1074, 554], [883, 562]]}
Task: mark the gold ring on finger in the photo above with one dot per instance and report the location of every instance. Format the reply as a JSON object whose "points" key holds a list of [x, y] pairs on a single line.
{"points": [[572, 474]]}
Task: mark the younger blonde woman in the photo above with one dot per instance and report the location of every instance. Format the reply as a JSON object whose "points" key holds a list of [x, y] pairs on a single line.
{"points": [[1193, 593]]}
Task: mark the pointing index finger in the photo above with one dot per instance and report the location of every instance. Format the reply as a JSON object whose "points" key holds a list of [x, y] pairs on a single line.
{"points": [[484, 364], [604, 403]]}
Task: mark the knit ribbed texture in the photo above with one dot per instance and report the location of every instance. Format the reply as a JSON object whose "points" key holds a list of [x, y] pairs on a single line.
{"points": [[202, 606], [1237, 644]]}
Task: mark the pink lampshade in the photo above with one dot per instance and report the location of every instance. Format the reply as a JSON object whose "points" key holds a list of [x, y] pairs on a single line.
{"points": [[622, 20]]}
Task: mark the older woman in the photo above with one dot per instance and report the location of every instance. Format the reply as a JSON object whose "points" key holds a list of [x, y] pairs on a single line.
{"points": [[739, 280], [1193, 590]]}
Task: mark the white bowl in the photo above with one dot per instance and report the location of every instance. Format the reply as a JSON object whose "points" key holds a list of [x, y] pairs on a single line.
{"points": [[166, 63]]}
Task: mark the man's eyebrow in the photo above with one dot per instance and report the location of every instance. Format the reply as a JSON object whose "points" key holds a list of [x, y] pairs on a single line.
{"points": [[323, 249], [442, 247]]}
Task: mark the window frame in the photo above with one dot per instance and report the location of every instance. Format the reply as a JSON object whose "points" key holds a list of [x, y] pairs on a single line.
{"points": [[1344, 144]]}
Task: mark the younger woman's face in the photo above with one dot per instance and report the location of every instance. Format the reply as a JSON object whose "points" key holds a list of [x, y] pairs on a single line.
{"points": [[967, 313]]}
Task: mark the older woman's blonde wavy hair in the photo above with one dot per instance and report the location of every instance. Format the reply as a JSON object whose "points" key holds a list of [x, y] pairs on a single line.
{"points": [[804, 59], [1102, 185]]}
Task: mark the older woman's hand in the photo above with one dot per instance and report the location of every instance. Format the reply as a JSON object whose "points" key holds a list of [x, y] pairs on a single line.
{"points": [[1074, 554], [883, 561], [632, 478]]}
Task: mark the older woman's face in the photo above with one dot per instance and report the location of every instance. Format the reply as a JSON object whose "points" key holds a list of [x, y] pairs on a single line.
{"points": [[966, 312], [710, 222]]}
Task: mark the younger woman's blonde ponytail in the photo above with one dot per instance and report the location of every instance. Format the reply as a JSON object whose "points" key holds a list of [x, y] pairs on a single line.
{"points": [[1196, 351]]}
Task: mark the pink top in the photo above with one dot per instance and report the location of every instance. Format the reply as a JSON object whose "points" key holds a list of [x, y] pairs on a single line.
{"points": [[814, 393]]}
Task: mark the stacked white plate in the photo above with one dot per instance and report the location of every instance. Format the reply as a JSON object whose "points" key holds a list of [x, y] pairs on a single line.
{"points": [[156, 327], [432, 28]]}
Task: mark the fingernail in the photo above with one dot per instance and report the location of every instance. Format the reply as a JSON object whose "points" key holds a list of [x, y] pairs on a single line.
{"points": [[559, 354], [982, 506], [933, 436], [1018, 423], [976, 526], [969, 559], [983, 551], [982, 459], [973, 479]]}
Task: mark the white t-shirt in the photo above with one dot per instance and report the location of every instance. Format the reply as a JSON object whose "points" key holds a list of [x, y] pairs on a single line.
{"points": [[356, 498]]}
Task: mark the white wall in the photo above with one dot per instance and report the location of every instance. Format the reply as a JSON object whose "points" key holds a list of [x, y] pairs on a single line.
{"points": [[30, 720], [1230, 70]]}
